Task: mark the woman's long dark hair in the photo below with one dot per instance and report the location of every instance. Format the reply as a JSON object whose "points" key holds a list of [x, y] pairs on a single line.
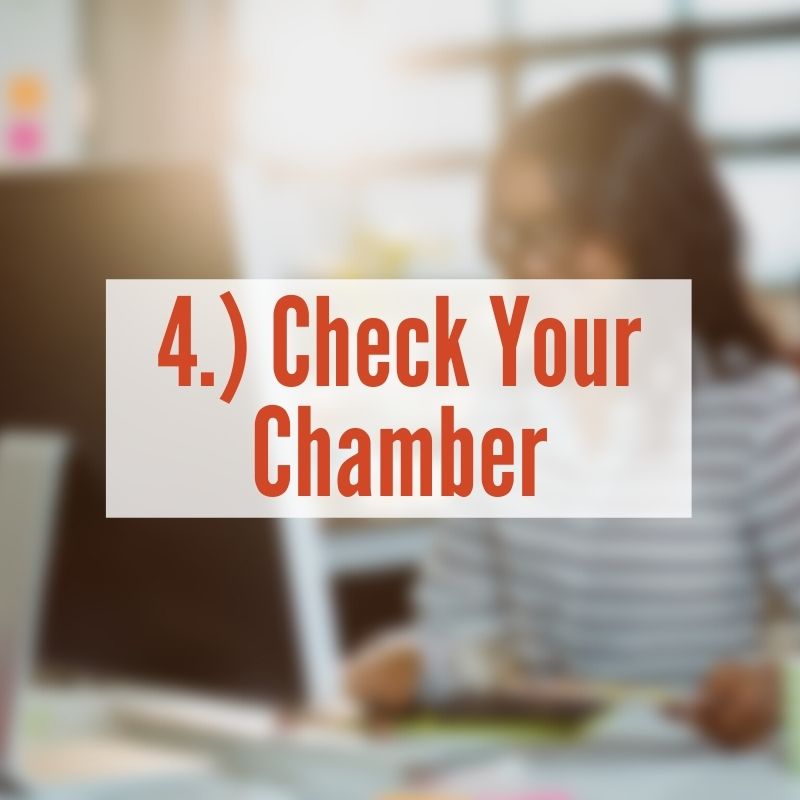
{"points": [[626, 164]]}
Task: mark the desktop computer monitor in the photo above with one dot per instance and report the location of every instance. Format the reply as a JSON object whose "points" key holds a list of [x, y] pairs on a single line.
{"points": [[201, 604]]}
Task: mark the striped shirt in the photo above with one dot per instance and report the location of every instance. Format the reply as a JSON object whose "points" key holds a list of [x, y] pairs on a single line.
{"points": [[638, 600]]}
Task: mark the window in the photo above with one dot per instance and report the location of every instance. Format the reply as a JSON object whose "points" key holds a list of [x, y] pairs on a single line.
{"points": [[749, 89], [412, 93], [406, 25], [560, 17], [766, 192], [742, 9], [536, 81], [447, 112]]}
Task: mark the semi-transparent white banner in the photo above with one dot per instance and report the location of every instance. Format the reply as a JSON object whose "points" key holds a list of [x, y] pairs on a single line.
{"points": [[398, 398]]}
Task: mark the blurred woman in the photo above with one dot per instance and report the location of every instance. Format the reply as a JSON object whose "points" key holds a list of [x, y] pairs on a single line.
{"points": [[607, 180]]}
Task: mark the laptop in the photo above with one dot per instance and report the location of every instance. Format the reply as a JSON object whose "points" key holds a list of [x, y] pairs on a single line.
{"points": [[31, 469], [31, 465]]}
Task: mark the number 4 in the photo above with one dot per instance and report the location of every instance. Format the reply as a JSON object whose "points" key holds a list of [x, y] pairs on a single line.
{"points": [[180, 326]]}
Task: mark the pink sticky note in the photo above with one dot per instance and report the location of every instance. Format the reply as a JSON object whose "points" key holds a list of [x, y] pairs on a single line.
{"points": [[24, 138]]}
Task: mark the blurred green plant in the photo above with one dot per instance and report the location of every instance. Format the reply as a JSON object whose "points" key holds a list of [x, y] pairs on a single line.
{"points": [[373, 254]]}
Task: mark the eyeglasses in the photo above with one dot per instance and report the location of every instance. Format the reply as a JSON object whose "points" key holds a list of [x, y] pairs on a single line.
{"points": [[511, 242]]}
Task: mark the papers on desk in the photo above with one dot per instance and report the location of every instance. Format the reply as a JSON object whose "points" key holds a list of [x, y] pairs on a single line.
{"points": [[504, 778], [110, 767], [348, 765]]}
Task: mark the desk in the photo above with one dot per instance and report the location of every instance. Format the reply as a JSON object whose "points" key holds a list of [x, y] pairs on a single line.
{"points": [[634, 754], [637, 755]]}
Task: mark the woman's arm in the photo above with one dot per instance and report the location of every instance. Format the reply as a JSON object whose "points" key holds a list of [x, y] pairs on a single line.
{"points": [[384, 676], [458, 617], [739, 703], [775, 499]]}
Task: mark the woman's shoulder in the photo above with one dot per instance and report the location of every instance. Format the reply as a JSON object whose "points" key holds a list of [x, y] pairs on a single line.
{"points": [[775, 391], [767, 378], [776, 382], [760, 390]]}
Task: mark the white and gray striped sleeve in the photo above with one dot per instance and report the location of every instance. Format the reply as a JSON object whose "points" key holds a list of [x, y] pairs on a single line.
{"points": [[775, 483], [456, 601]]}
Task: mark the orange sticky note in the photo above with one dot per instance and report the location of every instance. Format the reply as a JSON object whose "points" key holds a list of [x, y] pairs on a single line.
{"points": [[26, 92]]}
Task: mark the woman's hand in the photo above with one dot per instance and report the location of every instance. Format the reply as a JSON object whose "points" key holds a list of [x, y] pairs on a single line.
{"points": [[384, 676], [737, 705]]}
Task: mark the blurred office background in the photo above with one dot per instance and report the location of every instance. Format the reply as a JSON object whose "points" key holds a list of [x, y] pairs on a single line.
{"points": [[367, 121], [351, 135]]}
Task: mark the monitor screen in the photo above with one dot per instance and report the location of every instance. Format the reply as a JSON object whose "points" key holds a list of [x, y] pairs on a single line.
{"points": [[201, 604]]}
